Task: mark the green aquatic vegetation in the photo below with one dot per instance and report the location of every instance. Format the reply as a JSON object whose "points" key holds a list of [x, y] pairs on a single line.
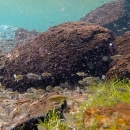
{"points": [[105, 94], [52, 122], [108, 94]]}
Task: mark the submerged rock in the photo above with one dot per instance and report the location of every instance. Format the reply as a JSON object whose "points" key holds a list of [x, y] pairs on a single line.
{"points": [[22, 35], [121, 68], [63, 51], [123, 44], [12, 36], [117, 117], [113, 15]]}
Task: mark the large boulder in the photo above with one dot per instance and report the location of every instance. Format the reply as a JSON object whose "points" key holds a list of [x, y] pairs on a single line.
{"points": [[62, 50], [120, 68], [113, 15], [123, 44]]}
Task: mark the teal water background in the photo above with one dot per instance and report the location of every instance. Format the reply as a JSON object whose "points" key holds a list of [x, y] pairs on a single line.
{"points": [[42, 14]]}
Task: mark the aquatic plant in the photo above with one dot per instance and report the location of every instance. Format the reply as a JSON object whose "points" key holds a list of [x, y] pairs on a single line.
{"points": [[53, 121], [106, 94]]}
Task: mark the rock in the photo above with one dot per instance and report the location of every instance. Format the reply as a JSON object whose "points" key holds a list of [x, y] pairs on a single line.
{"points": [[30, 112], [123, 44], [22, 35], [13, 36], [108, 117], [63, 51], [113, 15], [121, 69]]}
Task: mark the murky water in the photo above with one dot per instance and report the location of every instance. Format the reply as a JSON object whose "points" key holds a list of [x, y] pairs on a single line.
{"points": [[41, 14]]}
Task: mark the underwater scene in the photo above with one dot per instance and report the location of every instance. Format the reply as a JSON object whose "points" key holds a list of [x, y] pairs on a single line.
{"points": [[65, 65]]}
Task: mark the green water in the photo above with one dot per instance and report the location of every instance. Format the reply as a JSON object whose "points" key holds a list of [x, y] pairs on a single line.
{"points": [[41, 14]]}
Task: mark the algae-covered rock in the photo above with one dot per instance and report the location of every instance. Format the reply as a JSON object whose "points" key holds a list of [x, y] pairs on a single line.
{"points": [[117, 117], [114, 15], [63, 51], [121, 68]]}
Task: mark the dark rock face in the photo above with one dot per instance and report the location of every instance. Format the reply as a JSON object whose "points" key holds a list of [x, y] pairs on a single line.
{"points": [[113, 15], [63, 50], [121, 68]]}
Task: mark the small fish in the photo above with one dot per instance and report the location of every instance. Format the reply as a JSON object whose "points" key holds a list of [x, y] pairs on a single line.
{"points": [[57, 98], [103, 77], [40, 91], [124, 28], [49, 88], [46, 74], [9, 27], [115, 25], [1, 77], [61, 98], [82, 74], [3, 97], [58, 89], [106, 58], [119, 30], [28, 94], [92, 82], [122, 90], [9, 40], [18, 77], [88, 92], [64, 85], [116, 57], [12, 93], [31, 90], [33, 76], [84, 83], [91, 78], [3, 36]]}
